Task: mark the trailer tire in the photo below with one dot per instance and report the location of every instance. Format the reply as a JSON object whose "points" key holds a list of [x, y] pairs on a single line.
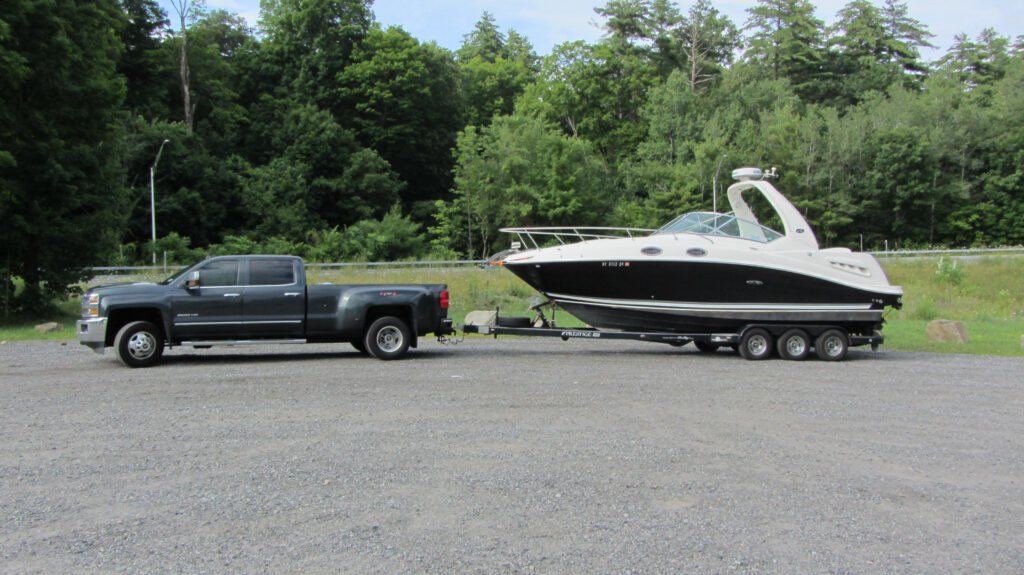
{"points": [[756, 344], [832, 345], [387, 338], [139, 344], [795, 344]]}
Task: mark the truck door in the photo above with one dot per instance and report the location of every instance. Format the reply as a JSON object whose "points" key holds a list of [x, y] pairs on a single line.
{"points": [[213, 310], [274, 304]]}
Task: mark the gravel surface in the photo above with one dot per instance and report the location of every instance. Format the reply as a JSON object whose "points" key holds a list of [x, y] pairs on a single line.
{"points": [[510, 455]]}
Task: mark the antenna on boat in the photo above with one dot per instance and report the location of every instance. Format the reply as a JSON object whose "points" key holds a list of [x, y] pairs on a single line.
{"points": [[714, 185]]}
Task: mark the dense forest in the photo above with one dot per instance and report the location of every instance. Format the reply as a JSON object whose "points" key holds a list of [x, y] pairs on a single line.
{"points": [[323, 134]]}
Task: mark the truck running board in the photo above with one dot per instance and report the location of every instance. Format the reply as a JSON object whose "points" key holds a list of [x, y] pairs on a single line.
{"points": [[239, 342]]}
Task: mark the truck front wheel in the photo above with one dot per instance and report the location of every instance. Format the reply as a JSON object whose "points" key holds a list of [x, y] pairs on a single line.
{"points": [[387, 338], [139, 344]]}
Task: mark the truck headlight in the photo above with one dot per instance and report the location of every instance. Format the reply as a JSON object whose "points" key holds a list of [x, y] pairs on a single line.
{"points": [[91, 305]]}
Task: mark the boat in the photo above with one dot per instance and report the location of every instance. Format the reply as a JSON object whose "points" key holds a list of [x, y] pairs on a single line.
{"points": [[708, 272]]}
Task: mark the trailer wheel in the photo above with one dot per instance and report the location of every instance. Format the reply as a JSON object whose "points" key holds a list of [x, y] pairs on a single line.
{"points": [[756, 344], [832, 345], [387, 338], [139, 344], [795, 344]]}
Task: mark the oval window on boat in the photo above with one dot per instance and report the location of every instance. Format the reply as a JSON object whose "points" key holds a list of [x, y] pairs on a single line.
{"points": [[697, 252], [651, 251]]}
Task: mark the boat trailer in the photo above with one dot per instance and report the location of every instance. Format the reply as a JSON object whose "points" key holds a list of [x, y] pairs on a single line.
{"points": [[754, 341]]}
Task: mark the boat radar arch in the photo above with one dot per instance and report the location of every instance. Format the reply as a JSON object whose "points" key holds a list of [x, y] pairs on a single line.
{"points": [[795, 227]]}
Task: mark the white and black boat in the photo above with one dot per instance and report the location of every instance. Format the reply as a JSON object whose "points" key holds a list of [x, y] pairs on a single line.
{"points": [[707, 272]]}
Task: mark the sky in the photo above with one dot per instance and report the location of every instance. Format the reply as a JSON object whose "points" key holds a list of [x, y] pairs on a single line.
{"points": [[547, 23]]}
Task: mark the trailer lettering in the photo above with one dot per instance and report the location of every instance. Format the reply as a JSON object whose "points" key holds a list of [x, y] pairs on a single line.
{"points": [[594, 334]]}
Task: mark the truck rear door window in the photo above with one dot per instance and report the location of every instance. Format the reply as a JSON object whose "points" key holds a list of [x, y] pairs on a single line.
{"points": [[271, 272]]}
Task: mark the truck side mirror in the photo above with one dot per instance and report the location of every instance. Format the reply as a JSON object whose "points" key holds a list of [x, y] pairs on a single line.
{"points": [[193, 281]]}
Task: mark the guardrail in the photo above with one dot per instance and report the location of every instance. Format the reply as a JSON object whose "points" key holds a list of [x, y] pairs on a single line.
{"points": [[384, 265], [462, 263], [1019, 250]]}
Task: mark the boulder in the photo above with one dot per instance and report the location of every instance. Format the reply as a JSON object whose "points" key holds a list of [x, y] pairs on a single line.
{"points": [[49, 327], [489, 318], [944, 330]]}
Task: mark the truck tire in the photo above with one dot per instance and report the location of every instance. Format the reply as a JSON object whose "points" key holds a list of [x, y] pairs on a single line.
{"points": [[795, 344], [139, 344], [756, 344], [832, 345], [387, 338]]}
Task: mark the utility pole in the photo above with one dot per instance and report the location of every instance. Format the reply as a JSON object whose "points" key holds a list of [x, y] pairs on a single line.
{"points": [[152, 197]]}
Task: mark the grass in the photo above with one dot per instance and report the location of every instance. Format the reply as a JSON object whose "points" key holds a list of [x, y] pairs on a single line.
{"points": [[985, 293]]}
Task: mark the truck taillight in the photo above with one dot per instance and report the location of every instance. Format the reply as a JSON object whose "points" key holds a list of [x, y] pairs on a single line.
{"points": [[444, 299]]}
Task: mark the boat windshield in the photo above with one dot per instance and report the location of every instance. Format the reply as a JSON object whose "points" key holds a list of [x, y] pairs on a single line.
{"points": [[711, 224]]}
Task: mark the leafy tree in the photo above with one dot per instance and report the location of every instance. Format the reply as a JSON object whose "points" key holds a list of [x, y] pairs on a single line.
{"points": [[495, 71], [392, 238], [139, 63], [401, 99], [519, 171], [309, 42], [60, 179]]}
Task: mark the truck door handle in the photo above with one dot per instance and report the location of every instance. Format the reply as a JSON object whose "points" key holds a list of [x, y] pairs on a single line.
{"points": [[232, 295], [291, 294]]}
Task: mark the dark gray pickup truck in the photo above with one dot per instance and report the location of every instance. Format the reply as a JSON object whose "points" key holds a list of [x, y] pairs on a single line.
{"points": [[257, 299]]}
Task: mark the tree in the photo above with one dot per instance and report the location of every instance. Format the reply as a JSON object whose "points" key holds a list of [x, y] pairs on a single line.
{"points": [[309, 42], [486, 41], [144, 21], [708, 40], [60, 178], [903, 39], [787, 41], [519, 171], [401, 99], [186, 11]]}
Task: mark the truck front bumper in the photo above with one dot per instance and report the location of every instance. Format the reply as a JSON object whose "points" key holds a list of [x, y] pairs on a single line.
{"points": [[92, 333]]}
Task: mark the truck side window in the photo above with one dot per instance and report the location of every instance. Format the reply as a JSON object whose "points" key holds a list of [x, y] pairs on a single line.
{"points": [[219, 273], [271, 272]]}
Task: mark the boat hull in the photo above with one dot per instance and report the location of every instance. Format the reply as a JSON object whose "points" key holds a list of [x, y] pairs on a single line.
{"points": [[688, 296]]}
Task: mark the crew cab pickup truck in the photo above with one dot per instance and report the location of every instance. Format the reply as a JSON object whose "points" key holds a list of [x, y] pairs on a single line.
{"points": [[257, 299]]}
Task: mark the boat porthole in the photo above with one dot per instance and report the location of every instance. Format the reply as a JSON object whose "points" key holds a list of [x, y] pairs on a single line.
{"points": [[697, 252], [651, 251]]}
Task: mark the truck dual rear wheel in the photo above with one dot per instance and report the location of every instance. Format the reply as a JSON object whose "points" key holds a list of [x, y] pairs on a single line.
{"points": [[387, 338], [139, 344]]}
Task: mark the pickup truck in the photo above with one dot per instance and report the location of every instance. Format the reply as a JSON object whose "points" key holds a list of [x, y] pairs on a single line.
{"points": [[257, 299]]}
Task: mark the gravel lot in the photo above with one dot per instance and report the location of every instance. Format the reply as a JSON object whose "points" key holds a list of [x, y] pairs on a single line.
{"points": [[529, 455]]}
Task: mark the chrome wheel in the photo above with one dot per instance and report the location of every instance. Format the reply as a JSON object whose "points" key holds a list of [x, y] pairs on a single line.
{"points": [[756, 344], [142, 345], [795, 344], [387, 338], [139, 344], [390, 339]]}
